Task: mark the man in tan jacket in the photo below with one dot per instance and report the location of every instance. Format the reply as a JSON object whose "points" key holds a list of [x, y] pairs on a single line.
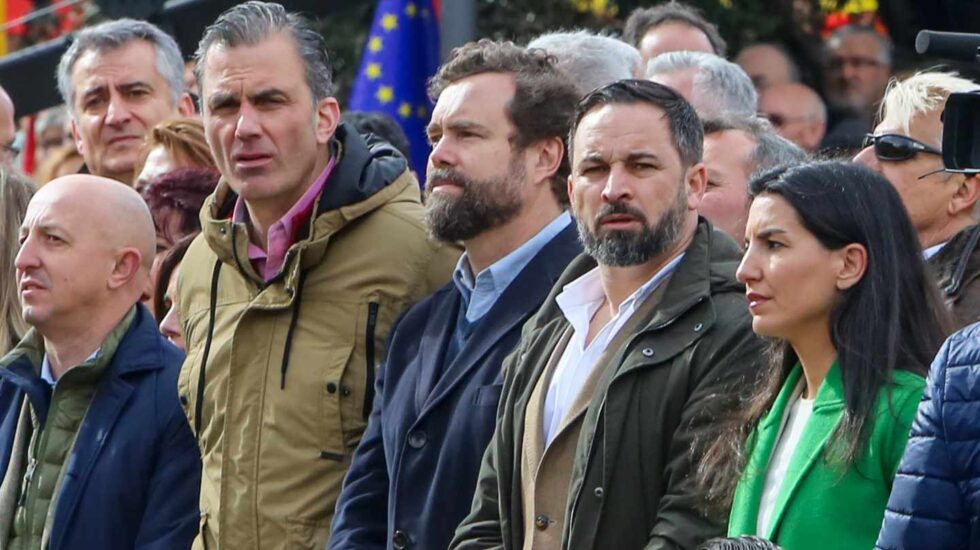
{"points": [[312, 244]]}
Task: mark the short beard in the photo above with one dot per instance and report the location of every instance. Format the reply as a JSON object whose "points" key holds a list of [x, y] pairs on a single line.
{"points": [[627, 248], [482, 205]]}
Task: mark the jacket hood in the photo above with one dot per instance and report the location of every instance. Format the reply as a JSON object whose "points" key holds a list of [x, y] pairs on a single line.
{"points": [[365, 166]]}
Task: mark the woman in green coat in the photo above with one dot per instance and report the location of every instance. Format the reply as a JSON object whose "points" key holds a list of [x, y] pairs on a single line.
{"points": [[834, 275]]}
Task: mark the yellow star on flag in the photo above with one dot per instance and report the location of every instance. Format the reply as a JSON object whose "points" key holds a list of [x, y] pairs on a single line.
{"points": [[373, 71], [389, 21], [422, 112], [374, 44], [405, 110], [410, 9], [385, 94]]}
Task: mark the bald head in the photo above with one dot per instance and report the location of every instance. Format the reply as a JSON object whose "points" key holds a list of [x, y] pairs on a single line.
{"points": [[8, 128], [797, 113], [767, 65], [116, 212]]}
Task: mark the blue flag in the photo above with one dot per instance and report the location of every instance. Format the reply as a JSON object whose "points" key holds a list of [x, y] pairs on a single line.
{"points": [[401, 54]]}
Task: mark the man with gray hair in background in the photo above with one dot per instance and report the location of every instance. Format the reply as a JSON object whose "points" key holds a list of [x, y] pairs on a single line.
{"points": [[714, 87], [119, 79], [589, 59], [736, 149], [311, 245]]}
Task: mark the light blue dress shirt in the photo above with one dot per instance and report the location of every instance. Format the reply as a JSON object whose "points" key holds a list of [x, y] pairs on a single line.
{"points": [[481, 293]]}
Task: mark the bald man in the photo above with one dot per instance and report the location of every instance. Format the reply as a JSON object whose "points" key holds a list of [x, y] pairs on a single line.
{"points": [[797, 113], [95, 451], [8, 130], [767, 65]]}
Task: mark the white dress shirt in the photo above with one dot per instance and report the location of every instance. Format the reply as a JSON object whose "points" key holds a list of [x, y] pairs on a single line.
{"points": [[794, 422], [579, 301]]}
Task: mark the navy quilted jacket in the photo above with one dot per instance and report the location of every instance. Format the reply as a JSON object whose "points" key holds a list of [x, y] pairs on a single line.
{"points": [[935, 500]]}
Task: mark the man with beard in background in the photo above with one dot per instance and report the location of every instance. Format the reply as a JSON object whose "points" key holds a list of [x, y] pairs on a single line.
{"points": [[496, 183], [639, 349]]}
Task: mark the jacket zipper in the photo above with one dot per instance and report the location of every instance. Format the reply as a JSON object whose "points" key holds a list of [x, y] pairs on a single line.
{"points": [[372, 322], [602, 405]]}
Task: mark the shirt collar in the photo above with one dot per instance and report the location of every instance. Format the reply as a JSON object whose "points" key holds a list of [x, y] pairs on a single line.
{"points": [[580, 298], [933, 250], [48, 376], [299, 212], [492, 281]]}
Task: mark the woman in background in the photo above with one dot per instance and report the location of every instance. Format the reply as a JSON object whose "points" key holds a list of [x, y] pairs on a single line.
{"points": [[171, 144], [15, 192], [834, 274], [165, 293]]}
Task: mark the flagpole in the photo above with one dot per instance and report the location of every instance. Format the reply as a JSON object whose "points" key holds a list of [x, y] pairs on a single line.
{"points": [[457, 24]]}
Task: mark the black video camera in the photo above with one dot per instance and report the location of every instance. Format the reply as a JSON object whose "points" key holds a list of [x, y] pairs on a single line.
{"points": [[961, 116]]}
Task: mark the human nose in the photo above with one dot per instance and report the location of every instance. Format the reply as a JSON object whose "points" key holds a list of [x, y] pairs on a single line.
{"points": [[443, 154], [868, 158], [618, 185], [248, 122], [748, 270], [117, 113], [170, 324], [26, 258]]}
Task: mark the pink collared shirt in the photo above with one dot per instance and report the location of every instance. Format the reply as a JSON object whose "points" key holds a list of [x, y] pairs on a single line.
{"points": [[283, 233]]}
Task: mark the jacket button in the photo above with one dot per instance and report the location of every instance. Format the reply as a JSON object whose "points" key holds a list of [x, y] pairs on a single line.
{"points": [[400, 539], [345, 391], [697, 327], [647, 352], [417, 439], [599, 492], [222, 230], [541, 522], [183, 399], [289, 292], [331, 387]]}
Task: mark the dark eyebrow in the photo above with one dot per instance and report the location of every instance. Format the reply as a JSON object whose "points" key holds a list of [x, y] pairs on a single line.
{"points": [[766, 233], [220, 99], [100, 89], [134, 84], [633, 157], [267, 94], [459, 125]]}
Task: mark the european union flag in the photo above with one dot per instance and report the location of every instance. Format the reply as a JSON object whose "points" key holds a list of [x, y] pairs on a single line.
{"points": [[401, 54]]}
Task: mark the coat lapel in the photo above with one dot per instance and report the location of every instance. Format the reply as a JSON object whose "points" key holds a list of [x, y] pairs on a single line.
{"points": [[432, 349], [518, 302], [101, 418], [748, 494], [827, 411]]}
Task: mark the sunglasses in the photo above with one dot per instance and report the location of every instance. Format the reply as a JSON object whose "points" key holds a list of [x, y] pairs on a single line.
{"points": [[896, 147]]}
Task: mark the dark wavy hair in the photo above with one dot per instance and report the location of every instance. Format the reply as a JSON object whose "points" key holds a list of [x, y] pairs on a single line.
{"points": [[892, 319], [543, 102]]}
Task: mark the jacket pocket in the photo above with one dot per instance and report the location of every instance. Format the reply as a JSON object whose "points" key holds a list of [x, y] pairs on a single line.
{"points": [[333, 392]]}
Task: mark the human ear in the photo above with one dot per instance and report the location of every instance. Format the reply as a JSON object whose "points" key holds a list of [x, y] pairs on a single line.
{"points": [[185, 105], [128, 266], [79, 144], [966, 195], [853, 264], [697, 181], [548, 155], [327, 119]]}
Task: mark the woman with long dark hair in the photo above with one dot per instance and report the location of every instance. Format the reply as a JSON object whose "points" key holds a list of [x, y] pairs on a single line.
{"points": [[834, 275]]}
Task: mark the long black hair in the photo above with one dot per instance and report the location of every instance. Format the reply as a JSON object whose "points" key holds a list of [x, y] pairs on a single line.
{"points": [[892, 319]]}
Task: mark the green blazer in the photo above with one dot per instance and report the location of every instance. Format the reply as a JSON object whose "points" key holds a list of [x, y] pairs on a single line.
{"points": [[819, 505]]}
